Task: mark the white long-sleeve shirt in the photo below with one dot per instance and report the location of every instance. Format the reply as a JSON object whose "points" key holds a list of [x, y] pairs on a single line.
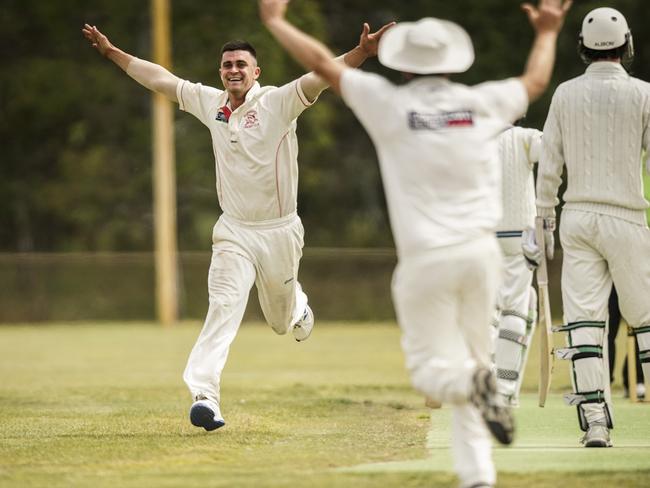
{"points": [[255, 146], [519, 150], [598, 124], [436, 144]]}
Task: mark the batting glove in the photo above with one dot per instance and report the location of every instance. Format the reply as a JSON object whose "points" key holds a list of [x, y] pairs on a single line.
{"points": [[529, 246], [549, 239]]}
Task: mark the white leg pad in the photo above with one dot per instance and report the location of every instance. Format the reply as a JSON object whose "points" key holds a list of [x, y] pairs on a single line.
{"points": [[511, 346], [643, 339], [531, 324], [585, 350]]}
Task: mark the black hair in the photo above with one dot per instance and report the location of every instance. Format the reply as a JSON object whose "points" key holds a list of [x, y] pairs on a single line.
{"points": [[239, 45], [595, 55], [625, 53]]}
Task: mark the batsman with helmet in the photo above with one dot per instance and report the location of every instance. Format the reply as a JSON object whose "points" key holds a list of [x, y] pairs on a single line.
{"points": [[597, 126]]}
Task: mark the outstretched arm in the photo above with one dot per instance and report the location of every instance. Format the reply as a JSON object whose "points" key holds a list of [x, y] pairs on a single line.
{"points": [[547, 20], [312, 84], [150, 75], [309, 52]]}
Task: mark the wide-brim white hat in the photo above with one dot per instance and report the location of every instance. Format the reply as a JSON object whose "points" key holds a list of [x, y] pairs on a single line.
{"points": [[428, 46]]}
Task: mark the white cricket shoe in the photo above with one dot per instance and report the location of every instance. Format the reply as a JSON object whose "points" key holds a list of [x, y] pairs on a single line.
{"points": [[302, 329], [597, 436], [205, 413], [640, 391]]}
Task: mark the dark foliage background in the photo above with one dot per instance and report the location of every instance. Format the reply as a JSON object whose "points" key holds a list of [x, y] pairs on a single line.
{"points": [[75, 172]]}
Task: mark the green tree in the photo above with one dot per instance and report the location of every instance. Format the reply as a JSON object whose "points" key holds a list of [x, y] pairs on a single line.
{"points": [[75, 165]]}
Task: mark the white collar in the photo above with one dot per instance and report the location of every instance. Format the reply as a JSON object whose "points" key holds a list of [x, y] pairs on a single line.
{"points": [[606, 67], [250, 94]]}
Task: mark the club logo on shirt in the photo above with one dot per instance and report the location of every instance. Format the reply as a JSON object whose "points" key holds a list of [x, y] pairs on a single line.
{"points": [[250, 120], [442, 120], [223, 115]]}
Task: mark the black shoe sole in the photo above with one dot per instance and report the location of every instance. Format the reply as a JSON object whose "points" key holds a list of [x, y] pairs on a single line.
{"points": [[498, 420], [597, 444], [202, 416], [502, 435]]}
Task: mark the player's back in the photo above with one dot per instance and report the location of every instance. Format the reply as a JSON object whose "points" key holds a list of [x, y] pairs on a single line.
{"points": [[602, 118]]}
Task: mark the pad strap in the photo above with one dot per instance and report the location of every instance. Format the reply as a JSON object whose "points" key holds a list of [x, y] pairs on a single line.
{"points": [[578, 325], [512, 336], [644, 356], [508, 233], [514, 313], [644, 329], [576, 353], [597, 396], [507, 374]]}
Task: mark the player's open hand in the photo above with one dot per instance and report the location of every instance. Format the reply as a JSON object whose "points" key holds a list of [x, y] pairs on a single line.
{"points": [[548, 16], [97, 40], [272, 9], [369, 42]]}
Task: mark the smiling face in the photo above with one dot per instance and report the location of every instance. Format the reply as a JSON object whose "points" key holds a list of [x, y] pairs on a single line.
{"points": [[238, 72]]}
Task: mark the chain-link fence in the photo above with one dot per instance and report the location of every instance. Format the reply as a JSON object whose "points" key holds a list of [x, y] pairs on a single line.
{"points": [[342, 284]]}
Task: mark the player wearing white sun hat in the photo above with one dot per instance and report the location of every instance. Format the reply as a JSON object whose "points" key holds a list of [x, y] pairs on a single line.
{"points": [[436, 143]]}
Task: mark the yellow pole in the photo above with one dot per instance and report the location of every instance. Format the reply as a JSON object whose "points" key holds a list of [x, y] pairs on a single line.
{"points": [[164, 177]]}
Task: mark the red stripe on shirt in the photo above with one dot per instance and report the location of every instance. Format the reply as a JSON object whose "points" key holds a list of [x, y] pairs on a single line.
{"points": [[277, 178], [463, 122], [304, 101]]}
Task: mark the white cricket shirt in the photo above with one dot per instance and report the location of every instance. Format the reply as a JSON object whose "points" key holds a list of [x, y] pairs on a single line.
{"points": [[597, 126], [255, 149], [437, 150], [519, 150]]}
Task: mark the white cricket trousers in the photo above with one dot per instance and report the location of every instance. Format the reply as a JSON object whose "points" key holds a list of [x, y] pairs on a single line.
{"points": [[598, 250], [514, 292], [266, 254], [444, 300]]}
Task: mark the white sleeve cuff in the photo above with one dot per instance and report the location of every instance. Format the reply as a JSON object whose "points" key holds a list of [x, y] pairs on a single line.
{"points": [[546, 212], [302, 96]]}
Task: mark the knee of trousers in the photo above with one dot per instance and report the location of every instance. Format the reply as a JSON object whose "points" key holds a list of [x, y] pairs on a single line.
{"points": [[279, 316], [431, 379], [585, 351], [421, 381], [511, 345], [280, 323]]}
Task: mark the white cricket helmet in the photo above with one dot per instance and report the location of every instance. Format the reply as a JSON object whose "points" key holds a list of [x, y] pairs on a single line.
{"points": [[603, 29]]}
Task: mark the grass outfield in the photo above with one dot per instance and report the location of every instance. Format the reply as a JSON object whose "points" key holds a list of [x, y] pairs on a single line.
{"points": [[103, 405]]}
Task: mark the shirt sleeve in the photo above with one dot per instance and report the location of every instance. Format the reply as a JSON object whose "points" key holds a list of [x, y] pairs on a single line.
{"points": [[506, 99], [288, 101], [196, 99], [551, 163], [646, 135], [534, 146], [367, 95]]}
